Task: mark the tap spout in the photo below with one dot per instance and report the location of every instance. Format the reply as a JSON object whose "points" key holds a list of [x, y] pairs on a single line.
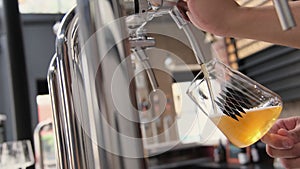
{"points": [[147, 66], [184, 24]]}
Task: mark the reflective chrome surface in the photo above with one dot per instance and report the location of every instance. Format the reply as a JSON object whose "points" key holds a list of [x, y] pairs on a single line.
{"points": [[65, 125], [284, 14], [38, 147]]}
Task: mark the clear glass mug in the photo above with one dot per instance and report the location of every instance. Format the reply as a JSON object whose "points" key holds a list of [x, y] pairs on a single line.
{"points": [[240, 107]]}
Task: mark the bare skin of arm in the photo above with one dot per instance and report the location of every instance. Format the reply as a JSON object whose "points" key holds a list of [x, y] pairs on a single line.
{"points": [[227, 18]]}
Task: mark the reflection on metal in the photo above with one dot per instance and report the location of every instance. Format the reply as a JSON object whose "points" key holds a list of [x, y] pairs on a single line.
{"points": [[140, 53], [41, 163], [284, 14], [67, 131]]}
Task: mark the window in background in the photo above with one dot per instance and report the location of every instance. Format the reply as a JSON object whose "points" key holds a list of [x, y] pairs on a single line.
{"points": [[46, 6]]}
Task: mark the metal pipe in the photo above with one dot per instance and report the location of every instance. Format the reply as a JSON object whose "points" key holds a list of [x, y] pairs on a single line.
{"points": [[62, 79], [38, 143], [58, 115], [140, 53], [284, 13], [95, 132]]}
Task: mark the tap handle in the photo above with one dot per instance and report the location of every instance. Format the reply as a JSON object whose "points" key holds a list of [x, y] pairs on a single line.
{"points": [[189, 31], [284, 14]]}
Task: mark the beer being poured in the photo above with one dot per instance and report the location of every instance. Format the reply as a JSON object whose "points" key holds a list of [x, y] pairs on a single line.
{"points": [[247, 130]]}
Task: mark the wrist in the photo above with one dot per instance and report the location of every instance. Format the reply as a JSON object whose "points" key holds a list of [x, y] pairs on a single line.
{"points": [[229, 23], [233, 22]]}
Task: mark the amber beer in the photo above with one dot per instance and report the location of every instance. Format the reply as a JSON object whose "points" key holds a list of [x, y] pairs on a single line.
{"points": [[250, 128]]}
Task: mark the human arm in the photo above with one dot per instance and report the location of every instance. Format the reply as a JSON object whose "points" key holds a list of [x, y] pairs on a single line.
{"points": [[283, 141], [227, 18]]}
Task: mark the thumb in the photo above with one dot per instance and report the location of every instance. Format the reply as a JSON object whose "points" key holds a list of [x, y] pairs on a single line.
{"points": [[294, 134]]}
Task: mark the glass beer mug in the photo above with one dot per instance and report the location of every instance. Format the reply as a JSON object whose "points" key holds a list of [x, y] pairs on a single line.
{"points": [[240, 107]]}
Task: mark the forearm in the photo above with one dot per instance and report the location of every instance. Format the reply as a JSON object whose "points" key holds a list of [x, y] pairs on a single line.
{"points": [[262, 23]]}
